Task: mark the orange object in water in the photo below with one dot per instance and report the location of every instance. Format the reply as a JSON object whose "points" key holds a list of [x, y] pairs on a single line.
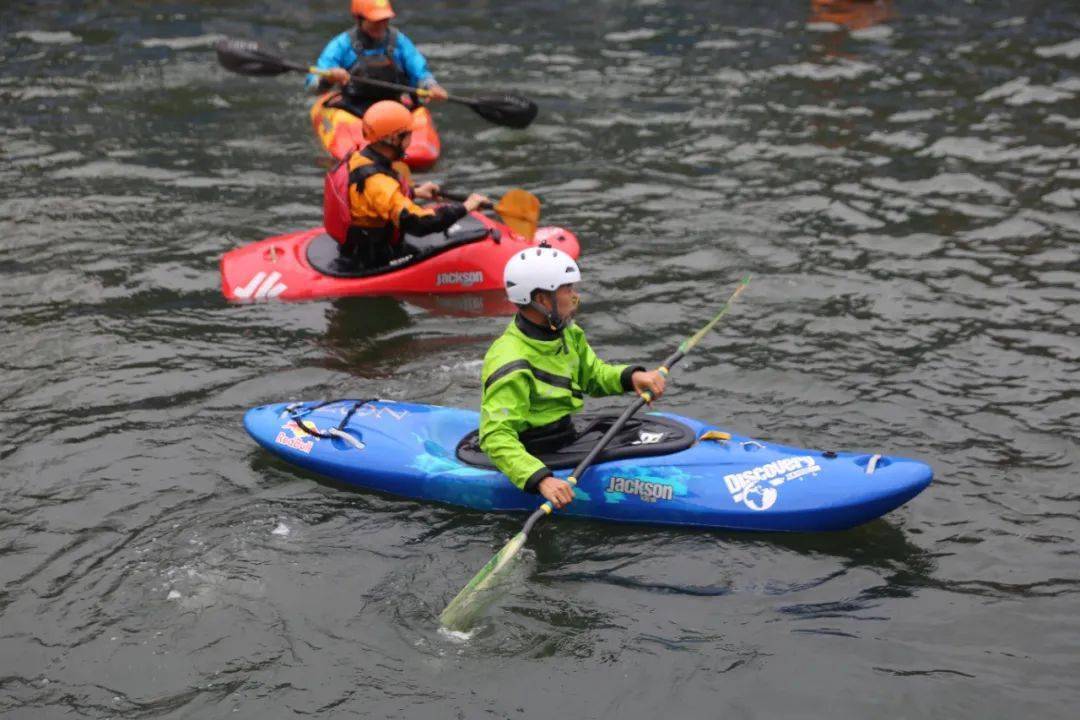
{"points": [[851, 14], [341, 132]]}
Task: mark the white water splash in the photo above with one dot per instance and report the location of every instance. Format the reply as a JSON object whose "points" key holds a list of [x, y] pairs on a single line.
{"points": [[1070, 49], [456, 635], [48, 38]]}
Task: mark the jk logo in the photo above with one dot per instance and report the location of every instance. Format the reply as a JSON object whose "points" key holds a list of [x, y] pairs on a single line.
{"points": [[261, 287]]}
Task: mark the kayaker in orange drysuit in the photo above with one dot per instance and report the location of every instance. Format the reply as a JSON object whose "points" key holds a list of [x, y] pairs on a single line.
{"points": [[381, 206]]}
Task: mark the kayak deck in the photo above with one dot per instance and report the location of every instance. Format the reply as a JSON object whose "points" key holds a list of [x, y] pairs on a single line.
{"points": [[341, 132], [723, 480], [281, 267]]}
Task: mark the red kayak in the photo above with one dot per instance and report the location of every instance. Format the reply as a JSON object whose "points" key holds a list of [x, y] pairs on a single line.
{"points": [[306, 265], [341, 132]]}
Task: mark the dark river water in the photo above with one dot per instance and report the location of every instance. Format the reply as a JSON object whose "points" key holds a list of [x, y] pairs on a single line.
{"points": [[902, 179]]}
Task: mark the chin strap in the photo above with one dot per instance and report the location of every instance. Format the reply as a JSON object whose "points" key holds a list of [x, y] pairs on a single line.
{"points": [[555, 321]]}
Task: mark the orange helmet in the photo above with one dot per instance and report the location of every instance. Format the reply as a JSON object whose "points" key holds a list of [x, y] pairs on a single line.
{"points": [[373, 10], [385, 119]]}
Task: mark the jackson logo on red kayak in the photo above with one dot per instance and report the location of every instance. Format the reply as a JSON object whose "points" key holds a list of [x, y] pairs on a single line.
{"points": [[465, 279]]}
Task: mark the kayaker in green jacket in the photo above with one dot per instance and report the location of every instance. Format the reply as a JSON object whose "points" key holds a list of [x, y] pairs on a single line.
{"points": [[538, 371]]}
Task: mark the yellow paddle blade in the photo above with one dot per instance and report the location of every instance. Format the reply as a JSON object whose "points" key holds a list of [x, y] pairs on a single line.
{"points": [[473, 597], [520, 210]]}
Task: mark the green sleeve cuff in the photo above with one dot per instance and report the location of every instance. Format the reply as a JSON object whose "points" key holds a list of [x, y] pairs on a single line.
{"points": [[532, 485], [626, 376]]}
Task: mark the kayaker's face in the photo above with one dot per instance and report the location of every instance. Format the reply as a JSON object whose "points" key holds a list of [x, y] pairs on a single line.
{"points": [[567, 301], [374, 30]]}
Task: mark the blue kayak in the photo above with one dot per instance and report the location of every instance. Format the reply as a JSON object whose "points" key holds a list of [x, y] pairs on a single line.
{"points": [[665, 469]]}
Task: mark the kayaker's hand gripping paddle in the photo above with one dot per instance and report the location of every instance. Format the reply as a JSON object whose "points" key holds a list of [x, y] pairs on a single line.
{"points": [[469, 602], [519, 210]]}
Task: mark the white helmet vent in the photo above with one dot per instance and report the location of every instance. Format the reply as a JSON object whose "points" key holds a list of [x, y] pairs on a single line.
{"points": [[526, 272]]}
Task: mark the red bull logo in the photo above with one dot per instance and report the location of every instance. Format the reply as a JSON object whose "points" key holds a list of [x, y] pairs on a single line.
{"points": [[293, 436]]}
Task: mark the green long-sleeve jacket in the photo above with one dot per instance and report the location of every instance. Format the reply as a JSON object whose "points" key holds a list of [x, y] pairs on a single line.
{"points": [[532, 378]]}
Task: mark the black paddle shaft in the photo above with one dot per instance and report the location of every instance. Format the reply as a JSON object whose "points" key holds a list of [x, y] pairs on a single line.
{"points": [[603, 442], [249, 58], [462, 197], [509, 110]]}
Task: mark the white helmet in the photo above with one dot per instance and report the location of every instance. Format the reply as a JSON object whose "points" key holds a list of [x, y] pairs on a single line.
{"points": [[540, 268]]}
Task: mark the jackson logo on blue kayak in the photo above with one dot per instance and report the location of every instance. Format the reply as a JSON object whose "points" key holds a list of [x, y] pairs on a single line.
{"points": [[291, 435], [647, 491], [756, 487]]}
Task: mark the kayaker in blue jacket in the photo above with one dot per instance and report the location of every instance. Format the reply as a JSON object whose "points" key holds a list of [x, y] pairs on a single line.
{"points": [[375, 50]]}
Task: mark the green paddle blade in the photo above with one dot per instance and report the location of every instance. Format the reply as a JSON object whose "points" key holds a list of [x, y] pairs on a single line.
{"points": [[475, 596]]}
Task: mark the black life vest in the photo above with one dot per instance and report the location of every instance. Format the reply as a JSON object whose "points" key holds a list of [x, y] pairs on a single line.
{"points": [[374, 65], [370, 246]]}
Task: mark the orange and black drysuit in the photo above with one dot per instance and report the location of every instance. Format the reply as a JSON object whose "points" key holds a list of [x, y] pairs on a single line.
{"points": [[382, 211]]}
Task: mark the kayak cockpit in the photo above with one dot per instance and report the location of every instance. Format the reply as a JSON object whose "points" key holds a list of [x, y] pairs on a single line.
{"points": [[643, 436], [323, 252]]}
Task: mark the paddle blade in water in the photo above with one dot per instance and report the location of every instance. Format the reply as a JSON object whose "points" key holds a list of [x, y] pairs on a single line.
{"points": [[474, 597], [506, 110], [520, 210], [247, 58]]}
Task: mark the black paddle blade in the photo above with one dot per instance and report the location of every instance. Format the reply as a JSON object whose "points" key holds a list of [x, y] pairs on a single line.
{"points": [[247, 58], [506, 110]]}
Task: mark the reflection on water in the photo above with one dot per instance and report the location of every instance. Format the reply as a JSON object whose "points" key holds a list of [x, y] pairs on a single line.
{"points": [[840, 20], [851, 14]]}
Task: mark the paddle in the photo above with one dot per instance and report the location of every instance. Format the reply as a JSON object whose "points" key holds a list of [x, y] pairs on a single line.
{"points": [[519, 210], [249, 58], [464, 606]]}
